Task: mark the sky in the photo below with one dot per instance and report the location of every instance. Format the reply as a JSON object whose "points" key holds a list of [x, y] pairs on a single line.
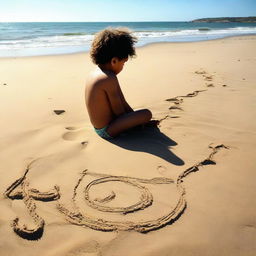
{"points": [[122, 10]]}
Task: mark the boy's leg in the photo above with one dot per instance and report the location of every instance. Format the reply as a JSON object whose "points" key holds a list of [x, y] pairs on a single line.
{"points": [[129, 120]]}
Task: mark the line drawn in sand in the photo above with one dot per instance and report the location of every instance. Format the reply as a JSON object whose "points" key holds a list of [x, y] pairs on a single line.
{"points": [[178, 100], [20, 189]]}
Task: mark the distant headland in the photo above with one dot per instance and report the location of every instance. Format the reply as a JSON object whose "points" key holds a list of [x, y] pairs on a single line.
{"points": [[227, 19]]}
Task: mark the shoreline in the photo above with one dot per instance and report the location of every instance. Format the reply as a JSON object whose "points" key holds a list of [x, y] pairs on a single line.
{"points": [[139, 47]]}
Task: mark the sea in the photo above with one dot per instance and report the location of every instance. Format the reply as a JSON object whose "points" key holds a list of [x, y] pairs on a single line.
{"points": [[52, 38]]}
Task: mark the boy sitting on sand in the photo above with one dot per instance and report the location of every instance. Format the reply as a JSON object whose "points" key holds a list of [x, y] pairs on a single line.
{"points": [[108, 110]]}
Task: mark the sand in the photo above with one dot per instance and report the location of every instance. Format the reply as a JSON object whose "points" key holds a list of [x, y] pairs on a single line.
{"points": [[184, 188]]}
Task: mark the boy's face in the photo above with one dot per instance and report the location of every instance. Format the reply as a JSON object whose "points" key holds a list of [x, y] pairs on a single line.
{"points": [[118, 64]]}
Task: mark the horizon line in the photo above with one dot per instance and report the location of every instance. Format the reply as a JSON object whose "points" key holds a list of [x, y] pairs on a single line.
{"points": [[101, 21], [130, 20]]}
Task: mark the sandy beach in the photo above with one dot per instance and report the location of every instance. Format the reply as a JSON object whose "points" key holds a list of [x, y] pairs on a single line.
{"points": [[185, 188]]}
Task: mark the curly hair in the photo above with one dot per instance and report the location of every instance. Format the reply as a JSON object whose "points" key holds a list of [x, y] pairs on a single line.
{"points": [[110, 43]]}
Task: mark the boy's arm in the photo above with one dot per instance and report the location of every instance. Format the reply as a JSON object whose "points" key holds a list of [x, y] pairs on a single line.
{"points": [[128, 108], [126, 105], [112, 89]]}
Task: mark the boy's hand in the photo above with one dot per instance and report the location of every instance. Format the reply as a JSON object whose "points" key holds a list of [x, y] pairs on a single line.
{"points": [[152, 123]]}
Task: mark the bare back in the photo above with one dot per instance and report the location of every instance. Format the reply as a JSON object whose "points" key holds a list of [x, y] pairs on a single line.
{"points": [[96, 98]]}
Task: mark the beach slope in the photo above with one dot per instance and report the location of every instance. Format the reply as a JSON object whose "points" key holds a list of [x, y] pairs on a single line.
{"points": [[184, 188]]}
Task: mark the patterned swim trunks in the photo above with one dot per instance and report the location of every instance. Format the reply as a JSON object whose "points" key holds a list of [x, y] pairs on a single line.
{"points": [[103, 133]]}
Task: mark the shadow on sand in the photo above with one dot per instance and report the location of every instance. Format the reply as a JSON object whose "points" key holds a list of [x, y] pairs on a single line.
{"points": [[149, 140]]}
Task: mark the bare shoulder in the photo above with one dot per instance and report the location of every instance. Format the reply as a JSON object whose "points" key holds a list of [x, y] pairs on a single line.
{"points": [[102, 80]]}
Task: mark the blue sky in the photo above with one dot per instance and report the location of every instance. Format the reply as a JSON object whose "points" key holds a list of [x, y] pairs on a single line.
{"points": [[122, 10]]}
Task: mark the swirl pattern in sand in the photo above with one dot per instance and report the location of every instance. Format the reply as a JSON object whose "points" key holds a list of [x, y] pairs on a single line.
{"points": [[119, 220], [95, 205]]}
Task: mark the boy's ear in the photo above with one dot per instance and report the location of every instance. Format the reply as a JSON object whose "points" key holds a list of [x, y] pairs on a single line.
{"points": [[114, 60]]}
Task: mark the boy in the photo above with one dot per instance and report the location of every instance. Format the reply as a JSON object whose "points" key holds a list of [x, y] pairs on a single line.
{"points": [[108, 110]]}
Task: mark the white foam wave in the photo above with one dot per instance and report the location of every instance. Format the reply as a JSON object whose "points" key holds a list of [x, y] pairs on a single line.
{"points": [[51, 41], [185, 32], [143, 36]]}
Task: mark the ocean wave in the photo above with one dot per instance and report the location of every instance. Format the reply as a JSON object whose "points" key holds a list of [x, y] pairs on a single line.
{"points": [[76, 39], [199, 31], [50, 41]]}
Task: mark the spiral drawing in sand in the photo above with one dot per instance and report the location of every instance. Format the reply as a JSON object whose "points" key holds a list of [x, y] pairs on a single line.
{"points": [[77, 216], [91, 208]]}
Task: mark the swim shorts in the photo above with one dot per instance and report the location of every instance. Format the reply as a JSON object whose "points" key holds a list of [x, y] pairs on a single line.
{"points": [[103, 133]]}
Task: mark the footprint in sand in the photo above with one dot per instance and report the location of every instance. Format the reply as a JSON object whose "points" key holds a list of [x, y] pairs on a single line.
{"points": [[206, 76], [161, 169], [175, 107], [76, 134], [200, 72]]}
